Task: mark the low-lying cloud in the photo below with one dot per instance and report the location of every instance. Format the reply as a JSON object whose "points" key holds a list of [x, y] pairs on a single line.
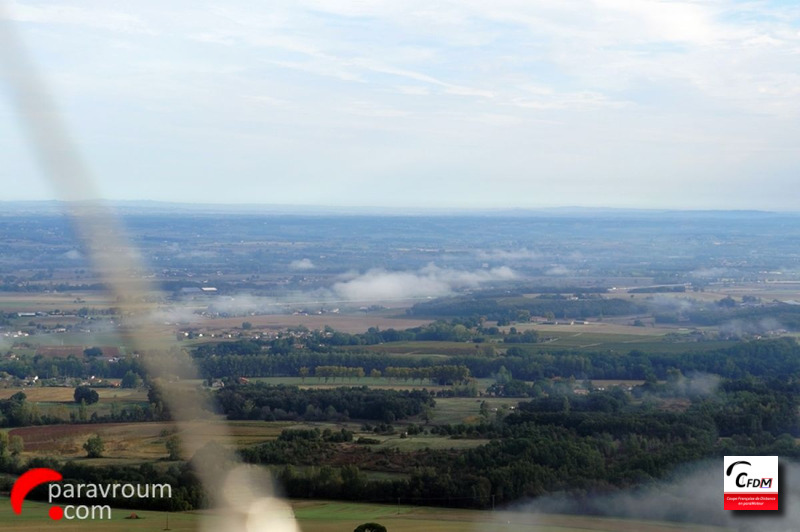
{"points": [[430, 281], [558, 269], [508, 255], [708, 273], [244, 304], [694, 495], [662, 303], [743, 327], [72, 254], [301, 265]]}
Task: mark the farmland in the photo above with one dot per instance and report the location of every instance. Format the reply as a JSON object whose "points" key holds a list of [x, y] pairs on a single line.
{"points": [[589, 380], [352, 323], [135, 443]]}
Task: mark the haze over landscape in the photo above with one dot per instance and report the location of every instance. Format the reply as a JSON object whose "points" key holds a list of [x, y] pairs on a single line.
{"points": [[375, 265], [620, 103]]}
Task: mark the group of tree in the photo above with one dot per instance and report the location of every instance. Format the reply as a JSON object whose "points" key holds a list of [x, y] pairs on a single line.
{"points": [[767, 357], [85, 395], [94, 447], [260, 401], [70, 367], [340, 372], [507, 308], [600, 442], [440, 374]]}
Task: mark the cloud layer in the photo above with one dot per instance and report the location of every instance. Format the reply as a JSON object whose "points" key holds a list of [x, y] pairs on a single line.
{"points": [[431, 281], [454, 103]]}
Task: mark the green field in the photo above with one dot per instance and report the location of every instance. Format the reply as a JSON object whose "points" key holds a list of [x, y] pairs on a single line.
{"points": [[323, 516], [34, 517], [380, 383], [454, 410], [427, 349], [621, 343], [566, 338]]}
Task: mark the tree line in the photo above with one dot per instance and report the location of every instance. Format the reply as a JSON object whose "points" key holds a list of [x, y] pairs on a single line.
{"points": [[568, 444], [271, 403]]}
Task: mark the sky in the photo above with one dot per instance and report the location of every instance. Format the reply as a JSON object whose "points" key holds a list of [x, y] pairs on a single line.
{"points": [[425, 104]]}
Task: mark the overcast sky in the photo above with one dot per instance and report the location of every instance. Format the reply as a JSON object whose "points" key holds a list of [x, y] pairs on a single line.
{"points": [[464, 103]]}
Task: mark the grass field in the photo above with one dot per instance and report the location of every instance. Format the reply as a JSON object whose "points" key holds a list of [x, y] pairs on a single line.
{"points": [[381, 383], [321, 516], [593, 327], [341, 322], [24, 302], [453, 410], [324, 516], [570, 339], [104, 338], [566, 337], [421, 442], [58, 401], [134, 443], [426, 348], [65, 394]]}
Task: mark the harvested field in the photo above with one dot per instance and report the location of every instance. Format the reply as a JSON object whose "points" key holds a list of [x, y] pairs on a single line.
{"points": [[77, 350], [137, 442], [343, 323]]}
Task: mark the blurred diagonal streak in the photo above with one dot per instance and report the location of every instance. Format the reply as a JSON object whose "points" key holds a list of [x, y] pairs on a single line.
{"points": [[242, 496]]}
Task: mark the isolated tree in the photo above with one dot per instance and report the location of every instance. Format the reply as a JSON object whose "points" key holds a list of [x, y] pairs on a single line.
{"points": [[484, 410], [18, 397], [94, 447], [16, 445], [246, 325], [86, 394], [131, 380], [370, 527], [173, 444], [93, 352]]}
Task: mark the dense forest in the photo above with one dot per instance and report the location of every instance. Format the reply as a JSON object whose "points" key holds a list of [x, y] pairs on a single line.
{"points": [[279, 403], [576, 444], [770, 357], [581, 305], [556, 443]]}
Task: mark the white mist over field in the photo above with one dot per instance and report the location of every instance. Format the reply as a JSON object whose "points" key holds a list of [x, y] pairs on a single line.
{"points": [[430, 281], [301, 265], [693, 495]]}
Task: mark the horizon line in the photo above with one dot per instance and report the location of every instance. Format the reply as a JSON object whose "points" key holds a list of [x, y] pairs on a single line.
{"points": [[377, 209]]}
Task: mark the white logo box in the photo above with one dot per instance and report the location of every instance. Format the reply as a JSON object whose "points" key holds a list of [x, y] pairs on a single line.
{"points": [[751, 483], [751, 474]]}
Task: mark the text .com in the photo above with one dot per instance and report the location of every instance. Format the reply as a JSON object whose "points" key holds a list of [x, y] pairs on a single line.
{"points": [[64, 492]]}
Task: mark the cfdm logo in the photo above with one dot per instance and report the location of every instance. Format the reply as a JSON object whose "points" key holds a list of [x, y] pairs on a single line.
{"points": [[67, 492], [751, 483]]}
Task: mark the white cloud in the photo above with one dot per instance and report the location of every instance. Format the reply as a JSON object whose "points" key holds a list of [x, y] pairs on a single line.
{"points": [[523, 254], [431, 281], [559, 269], [97, 17], [301, 265], [583, 102], [72, 254]]}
